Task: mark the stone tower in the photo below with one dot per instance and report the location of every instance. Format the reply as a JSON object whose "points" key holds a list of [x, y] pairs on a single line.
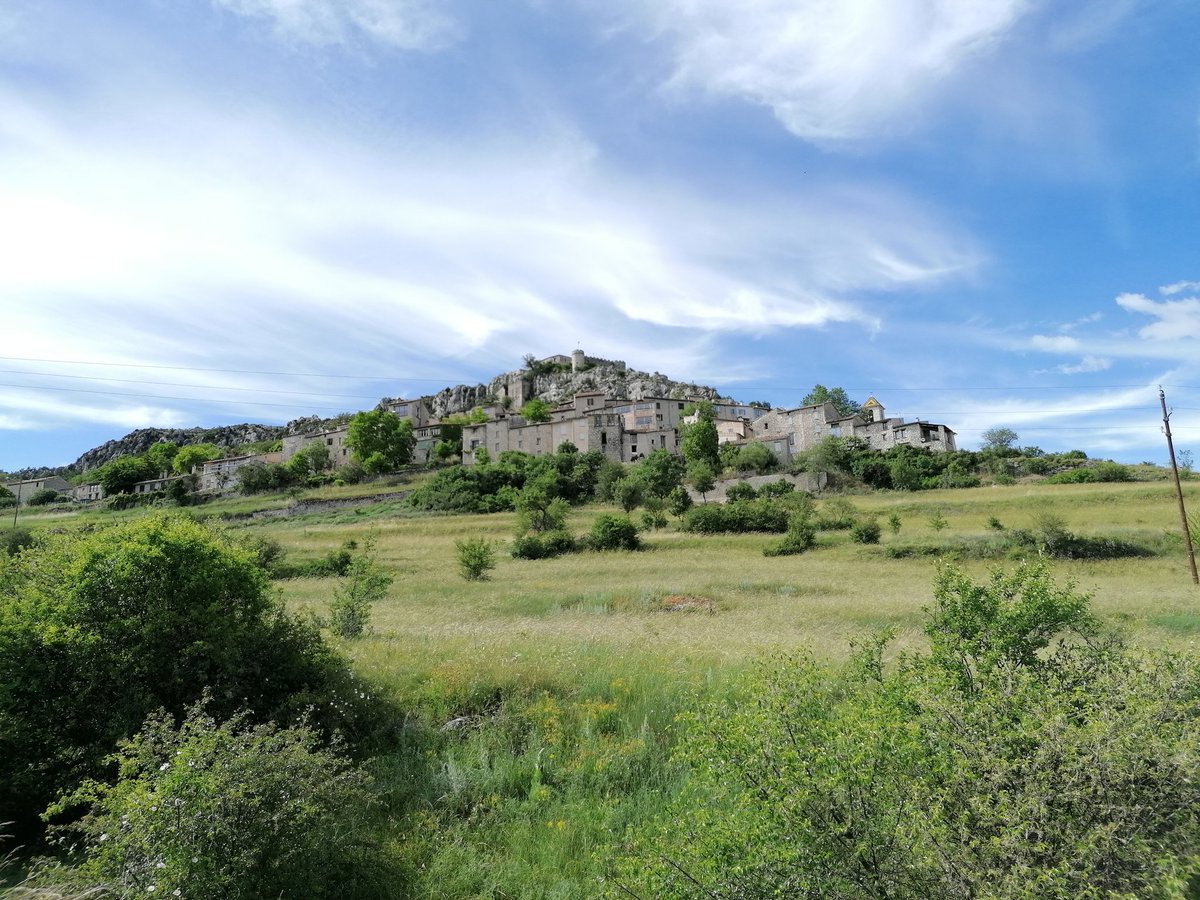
{"points": [[578, 360]]}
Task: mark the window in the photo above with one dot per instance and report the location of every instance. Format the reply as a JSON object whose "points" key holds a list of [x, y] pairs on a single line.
{"points": [[591, 401], [643, 420], [835, 430], [658, 406], [604, 439], [329, 442], [681, 406], [633, 448]]}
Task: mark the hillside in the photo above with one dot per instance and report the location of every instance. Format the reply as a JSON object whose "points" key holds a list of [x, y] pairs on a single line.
{"points": [[552, 382]]}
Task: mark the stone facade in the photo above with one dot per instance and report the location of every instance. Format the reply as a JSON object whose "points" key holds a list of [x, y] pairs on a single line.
{"points": [[23, 490], [217, 475], [333, 439]]}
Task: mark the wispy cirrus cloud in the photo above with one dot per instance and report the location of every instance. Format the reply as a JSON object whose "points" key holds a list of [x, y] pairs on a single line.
{"points": [[829, 71], [1179, 287], [402, 24], [1058, 343]]}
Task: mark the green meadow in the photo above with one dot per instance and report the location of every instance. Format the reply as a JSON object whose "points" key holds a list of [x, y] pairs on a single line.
{"points": [[537, 710]]}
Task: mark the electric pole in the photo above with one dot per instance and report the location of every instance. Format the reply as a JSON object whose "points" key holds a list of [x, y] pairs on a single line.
{"points": [[1187, 534]]}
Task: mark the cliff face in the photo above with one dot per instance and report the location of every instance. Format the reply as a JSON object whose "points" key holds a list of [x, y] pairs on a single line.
{"points": [[560, 387]]}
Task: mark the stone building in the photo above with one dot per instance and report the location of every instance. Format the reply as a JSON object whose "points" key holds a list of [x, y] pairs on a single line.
{"points": [[25, 489]]}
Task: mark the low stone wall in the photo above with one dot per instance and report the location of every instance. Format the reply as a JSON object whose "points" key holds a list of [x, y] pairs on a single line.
{"points": [[805, 481]]}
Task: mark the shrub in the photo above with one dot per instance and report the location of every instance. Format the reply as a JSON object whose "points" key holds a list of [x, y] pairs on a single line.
{"points": [[997, 765], [743, 490], [801, 535], [938, 522], [837, 514], [366, 583], [895, 522], [543, 546], [224, 810], [866, 531], [99, 628], [44, 497], [611, 532], [653, 519], [679, 501], [780, 488], [738, 517], [476, 557], [13, 540]]}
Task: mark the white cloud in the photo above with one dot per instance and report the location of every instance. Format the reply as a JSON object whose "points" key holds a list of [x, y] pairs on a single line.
{"points": [[1054, 343], [404, 24], [1177, 319], [1087, 364], [830, 70], [1179, 287]]}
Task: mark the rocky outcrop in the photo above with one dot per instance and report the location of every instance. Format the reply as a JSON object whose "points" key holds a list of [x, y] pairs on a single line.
{"points": [[228, 436], [560, 387]]}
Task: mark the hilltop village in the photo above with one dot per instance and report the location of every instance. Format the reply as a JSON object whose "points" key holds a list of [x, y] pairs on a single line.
{"points": [[593, 403]]}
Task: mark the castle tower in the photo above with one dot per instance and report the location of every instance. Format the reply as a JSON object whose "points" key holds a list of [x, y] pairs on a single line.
{"points": [[578, 360]]}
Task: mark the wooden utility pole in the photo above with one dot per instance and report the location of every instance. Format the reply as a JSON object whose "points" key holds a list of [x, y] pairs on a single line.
{"points": [[1187, 534]]}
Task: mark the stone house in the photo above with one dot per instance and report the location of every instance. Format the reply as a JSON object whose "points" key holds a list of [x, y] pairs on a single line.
{"points": [[88, 493], [334, 441], [25, 489], [150, 485], [217, 475]]}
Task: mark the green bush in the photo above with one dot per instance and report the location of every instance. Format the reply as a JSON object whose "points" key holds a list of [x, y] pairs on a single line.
{"points": [[45, 496], [780, 488], [227, 810], [801, 535], [866, 531], [737, 517], [1099, 472], [743, 490], [543, 546], [98, 628], [365, 584], [13, 540], [611, 532], [1001, 764], [476, 557], [837, 514]]}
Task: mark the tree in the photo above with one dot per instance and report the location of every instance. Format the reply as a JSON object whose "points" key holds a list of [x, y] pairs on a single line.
{"points": [[380, 440], [661, 472], [700, 443], [193, 455], [44, 497], [161, 456], [999, 438], [121, 474], [535, 410], [837, 396], [700, 474]]}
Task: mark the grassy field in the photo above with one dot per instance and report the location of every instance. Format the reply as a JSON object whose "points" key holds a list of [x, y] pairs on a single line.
{"points": [[539, 707]]}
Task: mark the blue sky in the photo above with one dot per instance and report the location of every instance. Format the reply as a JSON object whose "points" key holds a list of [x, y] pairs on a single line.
{"points": [[218, 211]]}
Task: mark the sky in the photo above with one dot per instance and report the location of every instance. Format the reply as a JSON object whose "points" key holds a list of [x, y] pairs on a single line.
{"points": [[982, 212]]}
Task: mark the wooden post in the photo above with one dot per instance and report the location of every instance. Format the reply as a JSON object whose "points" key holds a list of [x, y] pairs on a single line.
{"points": [[1187, 534]]}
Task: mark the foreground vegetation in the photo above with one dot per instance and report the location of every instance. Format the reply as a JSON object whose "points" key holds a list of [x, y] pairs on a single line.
{"points": [[542, 733]]}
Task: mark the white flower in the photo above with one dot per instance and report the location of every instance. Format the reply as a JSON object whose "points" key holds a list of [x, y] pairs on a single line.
{"points": [[164, 767]]}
